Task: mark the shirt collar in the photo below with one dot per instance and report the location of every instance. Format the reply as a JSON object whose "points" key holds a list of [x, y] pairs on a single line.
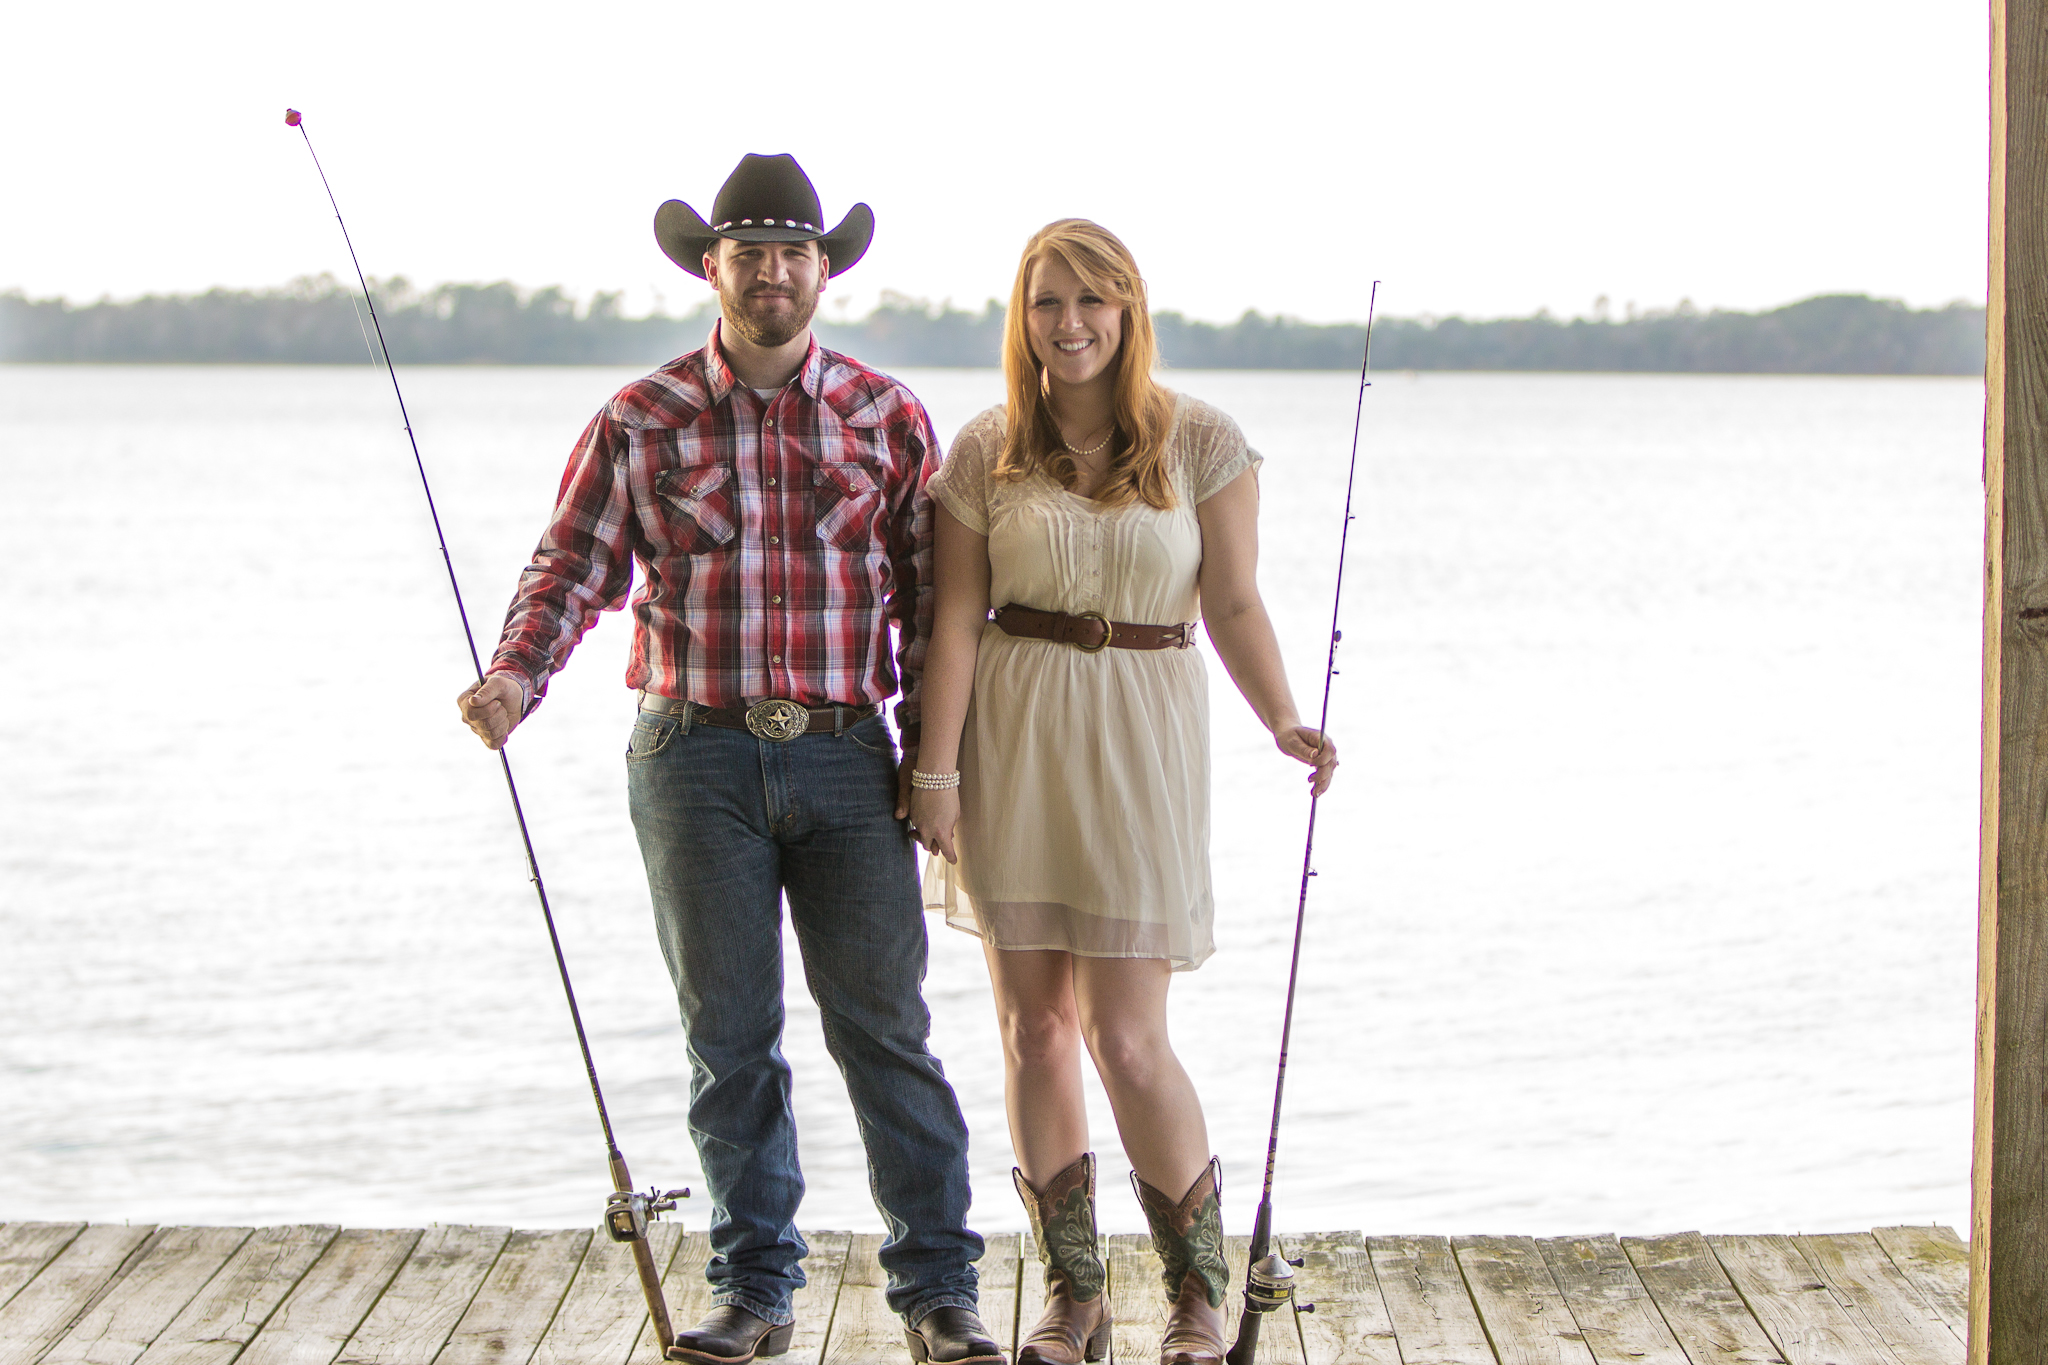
{"points": [[721, 380]]}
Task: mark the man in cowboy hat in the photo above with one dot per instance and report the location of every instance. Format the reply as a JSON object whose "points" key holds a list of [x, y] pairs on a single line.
{"points": [[772, 493]]}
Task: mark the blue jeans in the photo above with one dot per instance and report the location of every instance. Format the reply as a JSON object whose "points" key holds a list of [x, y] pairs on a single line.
{"points": [[728, 825]]}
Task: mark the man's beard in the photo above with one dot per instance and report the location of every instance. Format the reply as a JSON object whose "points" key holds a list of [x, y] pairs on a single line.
{"points": [[768, 326]]}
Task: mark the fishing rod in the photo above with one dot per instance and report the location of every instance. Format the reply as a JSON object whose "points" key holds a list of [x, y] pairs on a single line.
{"points": [[626, 1212], [1269, 1276]]}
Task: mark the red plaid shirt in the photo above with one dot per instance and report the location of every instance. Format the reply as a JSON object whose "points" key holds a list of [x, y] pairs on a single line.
{"points": [[778, 538]]}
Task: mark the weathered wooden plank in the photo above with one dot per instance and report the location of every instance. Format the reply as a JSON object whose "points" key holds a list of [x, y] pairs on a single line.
{"points": [[863, 1329], [1350, 1325], [518, 1299], [25, 1248], [48, 1305], [1426, 1299], [1938, 1264], [605, 1311], [1809, 1326], [1897, 1296], [685, 1290], [1701, 1307], [1878, 1294], [226, 1315], [324, 1309], [131, 1309], [1519, 1304], [1136, 1296], [428, 1296], [824, 1268], [999, 1270], [2009, 1167], [1614, 1312]]}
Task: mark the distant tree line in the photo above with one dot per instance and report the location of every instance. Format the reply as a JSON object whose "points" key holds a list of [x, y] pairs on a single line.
{"points": [[317, 321]]}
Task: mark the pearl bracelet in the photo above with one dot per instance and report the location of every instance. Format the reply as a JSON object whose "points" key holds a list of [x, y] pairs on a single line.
{"points": [[933, 782]]}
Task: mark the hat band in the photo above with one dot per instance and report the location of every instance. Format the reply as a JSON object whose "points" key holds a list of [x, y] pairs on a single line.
{"points": [[765, 222]]}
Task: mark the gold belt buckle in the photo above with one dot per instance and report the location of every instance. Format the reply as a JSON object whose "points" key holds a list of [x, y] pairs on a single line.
{"points": [[1107, 631], [778, 719]]}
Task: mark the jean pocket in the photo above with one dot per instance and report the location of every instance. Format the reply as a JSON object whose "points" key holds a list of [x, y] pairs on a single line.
{"points": [[651, 734], [872, 733]]}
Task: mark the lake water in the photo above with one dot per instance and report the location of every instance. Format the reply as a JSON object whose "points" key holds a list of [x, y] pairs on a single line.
{"points": [[1648, 884]]}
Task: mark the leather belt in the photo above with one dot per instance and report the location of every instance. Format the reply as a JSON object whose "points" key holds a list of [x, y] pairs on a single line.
{"points": [[776, 718], [1089, 632]]}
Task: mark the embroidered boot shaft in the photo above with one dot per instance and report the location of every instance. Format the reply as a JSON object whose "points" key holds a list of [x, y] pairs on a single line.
{"points": [[1076, 1322], [1188, 1235]]}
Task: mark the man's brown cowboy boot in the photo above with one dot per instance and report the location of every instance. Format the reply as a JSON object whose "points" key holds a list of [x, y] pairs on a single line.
{"points": [[1076, 1323], [1188, 1235], [730, 1335]]}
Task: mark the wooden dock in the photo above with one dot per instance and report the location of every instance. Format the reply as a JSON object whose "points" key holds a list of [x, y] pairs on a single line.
{"points": [[311, 1295]]}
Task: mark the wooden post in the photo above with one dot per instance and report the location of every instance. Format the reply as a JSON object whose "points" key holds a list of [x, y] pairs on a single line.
{"points": [[2009, 1166]]}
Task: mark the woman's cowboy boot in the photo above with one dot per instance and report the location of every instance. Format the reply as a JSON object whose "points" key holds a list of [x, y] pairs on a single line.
{"points": [[1075, 1326], [1189, 1238]]}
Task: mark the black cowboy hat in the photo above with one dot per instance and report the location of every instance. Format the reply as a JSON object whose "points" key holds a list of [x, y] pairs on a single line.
{"points": [[765, 199]]}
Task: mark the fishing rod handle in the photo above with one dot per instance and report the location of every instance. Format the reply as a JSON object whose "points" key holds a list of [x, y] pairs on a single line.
{"points": [[650, 1289], [1246, 1348], [643, 1262]]}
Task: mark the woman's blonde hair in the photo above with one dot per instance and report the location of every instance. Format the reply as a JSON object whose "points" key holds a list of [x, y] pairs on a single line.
{"points": [[1144, 410]]}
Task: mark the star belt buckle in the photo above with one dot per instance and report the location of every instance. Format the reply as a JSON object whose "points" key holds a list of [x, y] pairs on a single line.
{"points": [[778, 719]]}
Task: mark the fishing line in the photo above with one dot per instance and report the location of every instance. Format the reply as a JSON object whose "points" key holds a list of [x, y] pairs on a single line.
{"points": [[1269, 1277], [626, 1213], [368, 345]]}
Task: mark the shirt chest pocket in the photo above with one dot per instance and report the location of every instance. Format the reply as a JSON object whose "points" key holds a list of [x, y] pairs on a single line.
{"points": [[847, 502], [695, 504]]}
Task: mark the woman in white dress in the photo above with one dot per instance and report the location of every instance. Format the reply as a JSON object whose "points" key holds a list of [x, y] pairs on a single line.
{"points": [[1063, 771]]}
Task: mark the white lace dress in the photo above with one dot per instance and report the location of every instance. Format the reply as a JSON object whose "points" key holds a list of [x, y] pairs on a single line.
{"points": [[1084, 778]]}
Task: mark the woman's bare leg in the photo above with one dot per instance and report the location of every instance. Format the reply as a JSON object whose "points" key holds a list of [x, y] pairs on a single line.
{"points": [[1041, 1030], [1121, 1003]]}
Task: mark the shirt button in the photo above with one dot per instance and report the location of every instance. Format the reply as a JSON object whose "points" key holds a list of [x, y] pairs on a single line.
{"points": [[777, 658], [775, 540], [776, 600], [771, 483], [771, 421]]}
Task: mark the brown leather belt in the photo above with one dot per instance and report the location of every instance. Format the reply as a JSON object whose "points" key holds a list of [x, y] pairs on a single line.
{"points": [[776, 718], [1089, 632]]}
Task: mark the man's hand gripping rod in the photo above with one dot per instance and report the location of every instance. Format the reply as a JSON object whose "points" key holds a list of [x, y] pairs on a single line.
{"points": [[1269, 1276], [626, 1212]]}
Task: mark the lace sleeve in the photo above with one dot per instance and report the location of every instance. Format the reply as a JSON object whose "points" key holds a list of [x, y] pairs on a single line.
{"points": [[1220, 453], [961, 485]]}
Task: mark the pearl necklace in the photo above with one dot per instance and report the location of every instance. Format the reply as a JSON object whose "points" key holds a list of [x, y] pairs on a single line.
{"points": [[1091, 450]]}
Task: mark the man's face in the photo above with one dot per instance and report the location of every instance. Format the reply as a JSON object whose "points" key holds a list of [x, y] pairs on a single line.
{"points": [[768, 291]]}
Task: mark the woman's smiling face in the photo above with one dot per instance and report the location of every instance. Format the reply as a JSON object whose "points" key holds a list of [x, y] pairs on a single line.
{"points": [[1075, 332]]}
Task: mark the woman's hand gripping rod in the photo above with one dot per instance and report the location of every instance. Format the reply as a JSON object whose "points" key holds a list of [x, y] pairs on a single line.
{"points": [[627, 1212], [1269, 1276]]}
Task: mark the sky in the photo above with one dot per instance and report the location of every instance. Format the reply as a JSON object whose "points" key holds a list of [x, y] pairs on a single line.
{"points": [[1486, 158]]}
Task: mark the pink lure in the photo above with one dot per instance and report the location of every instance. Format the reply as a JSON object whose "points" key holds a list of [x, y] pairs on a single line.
{"points": [[291, 118]]}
